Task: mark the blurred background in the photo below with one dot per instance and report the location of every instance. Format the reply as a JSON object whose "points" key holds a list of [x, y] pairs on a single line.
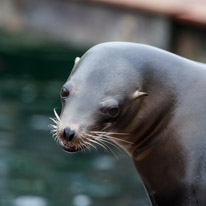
{"points": [[39, 41]]}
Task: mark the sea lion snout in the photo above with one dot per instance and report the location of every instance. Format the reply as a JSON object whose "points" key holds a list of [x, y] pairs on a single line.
{"points": [[70, 140], [68, 134]]}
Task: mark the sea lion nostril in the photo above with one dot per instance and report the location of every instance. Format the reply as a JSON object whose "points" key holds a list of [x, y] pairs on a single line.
{"points": [[68, 134]]}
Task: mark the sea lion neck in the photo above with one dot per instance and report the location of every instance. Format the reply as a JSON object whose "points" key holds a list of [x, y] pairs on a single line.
{"points": [[150, 116]]}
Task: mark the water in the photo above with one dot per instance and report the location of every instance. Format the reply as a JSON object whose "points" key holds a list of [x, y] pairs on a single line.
{"points": [[34, 171]]}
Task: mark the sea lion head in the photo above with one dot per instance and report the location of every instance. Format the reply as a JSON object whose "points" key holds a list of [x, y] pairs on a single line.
{"points": [[98, 100]]}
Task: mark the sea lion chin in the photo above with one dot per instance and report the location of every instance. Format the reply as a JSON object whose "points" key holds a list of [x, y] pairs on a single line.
{"points": [[69, 149], [149, 102]]}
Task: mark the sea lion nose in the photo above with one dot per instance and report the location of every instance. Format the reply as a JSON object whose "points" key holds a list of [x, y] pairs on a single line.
{"points": [[68, 134]]}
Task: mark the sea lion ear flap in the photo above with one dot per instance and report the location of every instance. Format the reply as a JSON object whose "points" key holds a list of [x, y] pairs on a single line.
{"points": [[138, 94], [76, 60], [75, 63]]}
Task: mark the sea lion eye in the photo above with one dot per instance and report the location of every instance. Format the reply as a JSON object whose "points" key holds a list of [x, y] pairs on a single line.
{"points": [[112, 112], [64, 93]]}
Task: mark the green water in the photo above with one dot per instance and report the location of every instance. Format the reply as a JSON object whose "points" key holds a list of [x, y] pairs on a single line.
{"points": [[34, 171]]}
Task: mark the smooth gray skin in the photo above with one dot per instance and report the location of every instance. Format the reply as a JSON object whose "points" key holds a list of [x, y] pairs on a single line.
{"points": [[167, 128]]}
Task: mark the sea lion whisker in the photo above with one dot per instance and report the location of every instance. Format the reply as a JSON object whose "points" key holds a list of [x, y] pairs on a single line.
{"points": [[54, 120], [107, 134], [99, 132], [83, 144], [92, 145], [56, 139], [54, 127], [114, 138], [103, 137], [108, 141], [103, 130], [100, 144], [54, 133], [89, 135], [56, 115], [105, 146], [98, 138], [111, 143], [87, 146], [82, 147], [110, 149]]}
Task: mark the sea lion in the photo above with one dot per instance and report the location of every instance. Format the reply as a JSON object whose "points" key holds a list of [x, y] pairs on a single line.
{"points": [[150, 102]]}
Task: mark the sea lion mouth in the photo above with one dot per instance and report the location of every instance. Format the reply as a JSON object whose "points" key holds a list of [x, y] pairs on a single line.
{"points": [[69, 149]]}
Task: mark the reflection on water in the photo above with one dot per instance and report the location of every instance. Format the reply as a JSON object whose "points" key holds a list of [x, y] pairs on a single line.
{"points": [[34, 171]]}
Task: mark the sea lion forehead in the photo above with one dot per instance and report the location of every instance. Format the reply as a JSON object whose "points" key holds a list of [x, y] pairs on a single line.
{"points": [[103, 72], [104, 55], [97, 60], [106, 63]]}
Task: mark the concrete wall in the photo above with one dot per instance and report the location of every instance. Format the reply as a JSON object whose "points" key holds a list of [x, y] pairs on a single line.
{"points": [[83, 24]]}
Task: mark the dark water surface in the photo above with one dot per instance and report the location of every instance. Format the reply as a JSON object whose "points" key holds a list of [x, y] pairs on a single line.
{"points": [[34, 171]]}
